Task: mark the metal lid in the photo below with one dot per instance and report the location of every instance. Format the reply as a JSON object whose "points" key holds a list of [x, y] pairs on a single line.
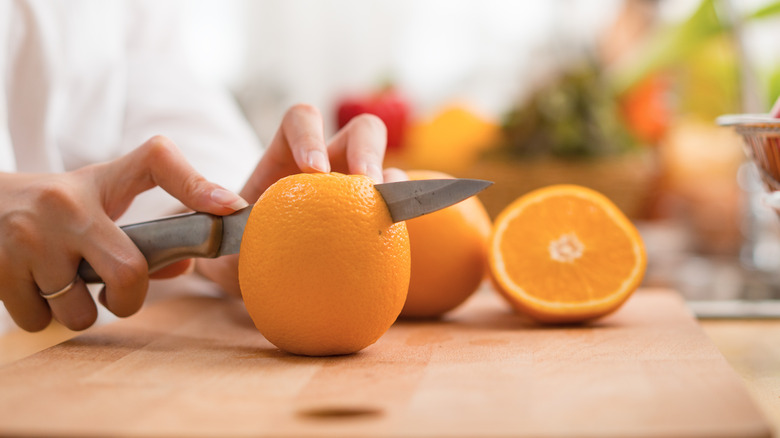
{"points": [[748, 119]]}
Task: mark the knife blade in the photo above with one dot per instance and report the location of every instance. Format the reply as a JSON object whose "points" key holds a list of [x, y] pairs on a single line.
{"points": [[410, 199], [174, 238]]}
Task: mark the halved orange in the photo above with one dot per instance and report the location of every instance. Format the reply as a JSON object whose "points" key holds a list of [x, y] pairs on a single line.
{"points": [[565, 253]]}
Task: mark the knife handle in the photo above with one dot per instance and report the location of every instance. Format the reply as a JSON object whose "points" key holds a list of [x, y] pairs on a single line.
{"points": [[170, 239]]}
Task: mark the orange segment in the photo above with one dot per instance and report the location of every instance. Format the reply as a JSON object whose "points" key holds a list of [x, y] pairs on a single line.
{"points": [[565, 253]]}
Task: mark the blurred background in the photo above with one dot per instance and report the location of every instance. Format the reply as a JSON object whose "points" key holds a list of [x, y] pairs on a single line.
{"points": [[618, 95]]}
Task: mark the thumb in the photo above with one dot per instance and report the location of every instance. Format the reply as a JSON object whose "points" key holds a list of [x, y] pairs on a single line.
{"points": [[159, 162]]}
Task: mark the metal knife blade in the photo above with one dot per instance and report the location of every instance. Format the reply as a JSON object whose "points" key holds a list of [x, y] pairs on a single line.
{"points": [[170, 239], [405, 200], [232, 231], [410, 199]]}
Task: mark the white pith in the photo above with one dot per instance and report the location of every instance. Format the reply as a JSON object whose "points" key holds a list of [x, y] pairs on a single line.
{"points": [[566, 248]]}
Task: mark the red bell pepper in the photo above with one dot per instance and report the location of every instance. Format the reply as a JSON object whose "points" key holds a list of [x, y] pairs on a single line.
{"points": [[388, 105]]}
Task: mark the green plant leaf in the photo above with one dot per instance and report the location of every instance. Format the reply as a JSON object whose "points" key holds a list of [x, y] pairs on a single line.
{"points": [[765, 12], [670, 45]]}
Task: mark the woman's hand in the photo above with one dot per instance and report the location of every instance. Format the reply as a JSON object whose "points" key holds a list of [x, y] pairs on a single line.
{"points": [[299, 146], [49, 222]]}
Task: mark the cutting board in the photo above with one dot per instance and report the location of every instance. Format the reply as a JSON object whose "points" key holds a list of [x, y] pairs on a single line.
{"points": [[196, 366]]}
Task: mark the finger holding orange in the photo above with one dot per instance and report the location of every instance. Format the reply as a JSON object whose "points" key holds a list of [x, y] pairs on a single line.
{"points": [[449, 254]]}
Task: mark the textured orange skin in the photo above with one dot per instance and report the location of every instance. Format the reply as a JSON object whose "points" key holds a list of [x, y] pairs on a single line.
{"points": [[449, 254], [548, 312], [322, 268]]}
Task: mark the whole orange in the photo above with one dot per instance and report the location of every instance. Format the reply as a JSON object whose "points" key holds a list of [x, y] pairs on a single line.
{"points": [[449, 254], [323, 269]]}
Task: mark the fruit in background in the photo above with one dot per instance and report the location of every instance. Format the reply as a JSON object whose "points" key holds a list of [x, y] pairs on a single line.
{"points": [[646, 108], [451, 141], [564, 254], [700, 162], [707, 84], [449, 254], [323, 269], [387, 104], [573, 115]]}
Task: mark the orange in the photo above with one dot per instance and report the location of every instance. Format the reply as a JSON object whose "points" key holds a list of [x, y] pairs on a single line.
{"points": [[565, 253], [451, 141], [323, 269], [449, 254]]}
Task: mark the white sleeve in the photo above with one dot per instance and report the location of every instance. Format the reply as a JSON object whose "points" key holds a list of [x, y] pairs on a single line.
{"points": [[165, 97], [7, 159]]}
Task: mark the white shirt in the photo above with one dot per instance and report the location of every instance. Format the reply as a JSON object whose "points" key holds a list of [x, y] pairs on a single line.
{"points": [[87, 81]]}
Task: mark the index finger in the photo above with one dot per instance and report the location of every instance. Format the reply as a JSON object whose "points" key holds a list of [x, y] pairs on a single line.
{"points": [[159, 162], [298, 146], [360, 146]]}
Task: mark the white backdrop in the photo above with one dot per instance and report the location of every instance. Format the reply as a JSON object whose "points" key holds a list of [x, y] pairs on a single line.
{"points": [[274, 53]]}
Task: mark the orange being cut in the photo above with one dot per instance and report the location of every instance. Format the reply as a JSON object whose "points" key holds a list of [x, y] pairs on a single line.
{"points": [[323, 269], [449, 254], [565, 254]]}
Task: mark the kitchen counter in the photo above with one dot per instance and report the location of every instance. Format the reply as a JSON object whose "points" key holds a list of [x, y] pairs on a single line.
{"points": [[751, 347]]}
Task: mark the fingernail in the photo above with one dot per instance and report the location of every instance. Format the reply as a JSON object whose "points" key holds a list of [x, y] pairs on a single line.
{"points": [[318, 161], [374, 172], [228, 199]]}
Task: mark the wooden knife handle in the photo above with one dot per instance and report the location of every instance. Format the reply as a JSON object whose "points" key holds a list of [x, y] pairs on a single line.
{"points": [[168, 240]]}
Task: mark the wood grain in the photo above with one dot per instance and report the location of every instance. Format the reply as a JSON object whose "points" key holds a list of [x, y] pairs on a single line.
{"points": [[197, 367], [16, 344]]}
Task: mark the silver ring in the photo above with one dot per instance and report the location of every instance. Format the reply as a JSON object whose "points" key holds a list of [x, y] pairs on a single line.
{"points": [[60, 292]]}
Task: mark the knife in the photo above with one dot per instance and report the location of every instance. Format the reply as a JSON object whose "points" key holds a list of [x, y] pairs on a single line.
{"points": [[170, 239]]}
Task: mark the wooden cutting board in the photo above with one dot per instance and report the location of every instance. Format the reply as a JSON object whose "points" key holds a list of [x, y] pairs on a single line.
{"points": [[197, 367]]}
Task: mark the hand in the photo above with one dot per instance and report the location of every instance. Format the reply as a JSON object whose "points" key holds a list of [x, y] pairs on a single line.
{"points": [[299, 146], [49, 222]]}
